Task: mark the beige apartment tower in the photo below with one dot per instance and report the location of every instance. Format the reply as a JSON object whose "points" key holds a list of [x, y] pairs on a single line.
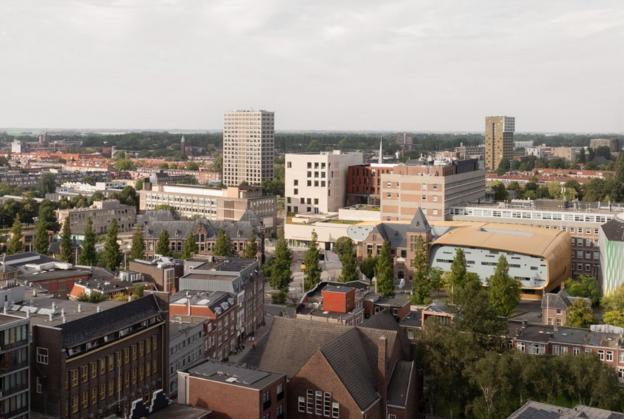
{"points": [[499, 144], [248, 147]]}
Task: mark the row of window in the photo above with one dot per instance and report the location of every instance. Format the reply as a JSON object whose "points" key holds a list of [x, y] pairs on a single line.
{"points": [[318, 403]]}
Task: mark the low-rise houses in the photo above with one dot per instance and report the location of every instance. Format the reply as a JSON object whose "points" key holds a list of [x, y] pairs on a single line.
{"points": [[604, 341], [102, 214], [555, 307], [218, 312], [240, 277]]}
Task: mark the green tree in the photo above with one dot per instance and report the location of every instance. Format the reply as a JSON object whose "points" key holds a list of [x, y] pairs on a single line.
{"points": [[500, 193], [367, 267], [137, 292], [42, 238], [223, 244], [421, 284], [343, 245], [163, 246], [281, 274], [46, 184], [251, 247], [67, 251], [503, 290], [457, 276], [384, 271], [579, 314], [138, 185], [613, 307], [111, 255], [312, 274], [15, 244], [190, 246], [585, 286], [475, 314], [348, 260], [88, 256], [47, 213], [137, 250]]}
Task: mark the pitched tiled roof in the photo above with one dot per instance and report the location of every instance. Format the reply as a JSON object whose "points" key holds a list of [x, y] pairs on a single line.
{"points": [[396, 233], [351, 352], [108, 321], [347, 358], [400, 383], [560, 301], [614, 228]]}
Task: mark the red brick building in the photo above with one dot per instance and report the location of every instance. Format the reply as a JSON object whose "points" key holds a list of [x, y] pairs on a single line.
{"points": [[219, 311], [230, 391], [364, 183], [340, 372]]}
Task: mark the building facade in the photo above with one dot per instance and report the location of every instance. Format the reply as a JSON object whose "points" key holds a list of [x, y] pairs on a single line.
{"points": [[539, 259], [14, 367], [317, 183], [230, 204], [611, 244], [102, 214], [364, 182], [612, 143], [231, 391], [240, 277], [93, 364], [186, 347], [583, 225], [248, 147], [433, 186], [499, 131], [218, 312]]}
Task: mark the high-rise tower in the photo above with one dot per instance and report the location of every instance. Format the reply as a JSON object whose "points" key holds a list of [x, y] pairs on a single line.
{"points": [[499, 132], [248, 147]]}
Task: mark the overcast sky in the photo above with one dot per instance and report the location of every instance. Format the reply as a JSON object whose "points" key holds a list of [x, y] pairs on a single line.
{"points": [[556, 65]]}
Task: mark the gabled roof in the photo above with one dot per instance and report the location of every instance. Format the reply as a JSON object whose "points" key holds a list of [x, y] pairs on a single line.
{"points": [[350, 351], [400, 383], [347, 358], [396, 233], [614, 228], [559, 301]]}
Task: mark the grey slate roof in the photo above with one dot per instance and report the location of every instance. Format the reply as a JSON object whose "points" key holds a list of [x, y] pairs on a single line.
{"points": [[346, 356], [560, 300], [351, 352], [180, 229], [400, 383], [614, 229], [108, 321], [395, 233]]}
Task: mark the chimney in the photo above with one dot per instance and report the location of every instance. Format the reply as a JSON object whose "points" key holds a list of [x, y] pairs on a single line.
{"points": [[382, 347]]}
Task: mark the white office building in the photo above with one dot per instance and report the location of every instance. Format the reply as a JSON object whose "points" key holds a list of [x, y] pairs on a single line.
{"points": [[317, 183]]}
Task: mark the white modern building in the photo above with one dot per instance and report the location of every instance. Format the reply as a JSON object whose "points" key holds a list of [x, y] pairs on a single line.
{"points": [[248, 147], [611, 243], [316, 183]]}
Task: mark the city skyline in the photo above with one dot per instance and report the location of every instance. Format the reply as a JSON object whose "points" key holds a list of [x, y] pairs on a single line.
{"points": [[352, 66]]}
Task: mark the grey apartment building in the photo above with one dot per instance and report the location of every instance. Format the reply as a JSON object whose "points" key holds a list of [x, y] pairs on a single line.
{"points": [[248, 147]]}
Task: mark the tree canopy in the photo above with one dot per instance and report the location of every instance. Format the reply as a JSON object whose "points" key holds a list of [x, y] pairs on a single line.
{"points": [[504, 291], [163, 246], [312, 274], [137, 250], [88, 256], [111, 255], [384, 271], [223, 244]]}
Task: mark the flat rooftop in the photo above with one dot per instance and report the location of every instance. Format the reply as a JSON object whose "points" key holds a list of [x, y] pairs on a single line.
{"points": [[233, 374]]}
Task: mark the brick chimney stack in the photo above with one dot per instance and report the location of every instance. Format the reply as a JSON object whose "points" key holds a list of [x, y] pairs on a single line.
{"points": [[382, 347]]}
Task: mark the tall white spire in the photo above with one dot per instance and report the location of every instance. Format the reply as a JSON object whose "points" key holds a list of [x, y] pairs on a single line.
{"points": [[381, 150]]}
